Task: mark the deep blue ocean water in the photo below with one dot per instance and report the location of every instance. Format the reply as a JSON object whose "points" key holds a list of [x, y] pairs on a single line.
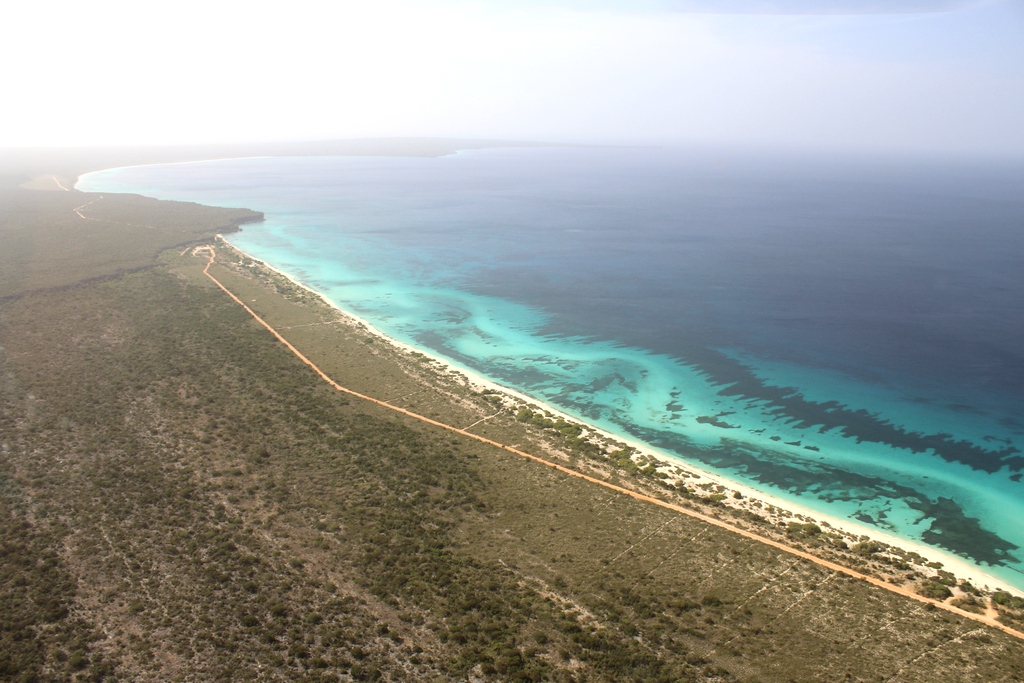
{"points": [[842, 333]]}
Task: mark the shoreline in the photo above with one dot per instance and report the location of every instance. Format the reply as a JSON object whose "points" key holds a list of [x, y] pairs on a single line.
{"points": [[753, 499]]}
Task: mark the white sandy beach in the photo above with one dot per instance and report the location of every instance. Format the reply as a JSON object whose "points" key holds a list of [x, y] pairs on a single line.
{"points": [[786, 510]]}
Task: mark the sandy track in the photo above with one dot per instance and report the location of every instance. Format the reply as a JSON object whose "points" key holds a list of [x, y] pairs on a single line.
{"points": [[84, 217], [105, 220], [987, 619]]}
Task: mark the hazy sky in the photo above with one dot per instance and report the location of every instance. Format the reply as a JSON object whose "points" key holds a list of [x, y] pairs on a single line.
{"points": [[929, 75]]}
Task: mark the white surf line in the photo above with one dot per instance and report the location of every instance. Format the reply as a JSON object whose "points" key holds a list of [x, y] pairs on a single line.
{"points": [[787, 509], [708, 519], [58, 184]]}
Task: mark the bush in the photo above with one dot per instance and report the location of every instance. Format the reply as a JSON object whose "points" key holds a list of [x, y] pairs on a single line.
{"points": [[934, 590], [806, 531], [867, 548]]}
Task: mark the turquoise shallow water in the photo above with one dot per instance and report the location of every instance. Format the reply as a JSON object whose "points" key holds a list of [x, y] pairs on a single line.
{"points": [[840, 334]]}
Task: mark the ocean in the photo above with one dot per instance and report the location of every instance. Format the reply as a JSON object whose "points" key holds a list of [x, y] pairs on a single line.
{"points": [[841, 333]]}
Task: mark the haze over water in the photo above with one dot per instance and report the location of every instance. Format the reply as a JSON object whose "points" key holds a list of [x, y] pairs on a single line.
{"points": [[840, 333]]}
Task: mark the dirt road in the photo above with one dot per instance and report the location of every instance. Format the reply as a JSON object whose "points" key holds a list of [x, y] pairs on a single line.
{"points": [[987, 619]]}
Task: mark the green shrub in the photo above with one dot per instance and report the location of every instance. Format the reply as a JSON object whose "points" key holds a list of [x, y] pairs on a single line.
{"points": [[934, 590]]}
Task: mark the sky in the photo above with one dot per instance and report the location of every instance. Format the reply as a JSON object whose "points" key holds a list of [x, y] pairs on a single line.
{"points": [[915, 76]]}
